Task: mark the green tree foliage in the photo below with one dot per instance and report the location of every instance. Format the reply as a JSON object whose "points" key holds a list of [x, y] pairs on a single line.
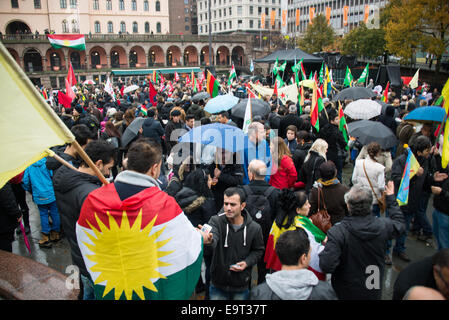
{"points": [[318, 35], [364, 42]]}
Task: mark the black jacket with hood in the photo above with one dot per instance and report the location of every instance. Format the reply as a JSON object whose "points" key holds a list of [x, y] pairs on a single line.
{"points": [[229, 247], [71, 189], [354, 245], [152, 129], [197, 208]]}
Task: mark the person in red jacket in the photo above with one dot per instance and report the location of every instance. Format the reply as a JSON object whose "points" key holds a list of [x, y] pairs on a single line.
{"points": [[283, 173]]}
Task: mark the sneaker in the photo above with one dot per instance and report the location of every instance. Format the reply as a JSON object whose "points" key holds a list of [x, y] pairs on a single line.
{"points": [[402, 255], [54, 236], [388, 260], [45, 241]]}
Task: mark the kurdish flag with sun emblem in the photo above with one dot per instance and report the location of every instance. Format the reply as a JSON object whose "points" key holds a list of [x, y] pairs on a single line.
{"points": [[143, 247], [73, 41], [315, 235]]}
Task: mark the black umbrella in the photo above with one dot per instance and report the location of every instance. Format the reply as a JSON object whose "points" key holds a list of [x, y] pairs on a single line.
{"points": [[131, 131], [258, 108], [354, 93], [200, 96], [368, 131]]}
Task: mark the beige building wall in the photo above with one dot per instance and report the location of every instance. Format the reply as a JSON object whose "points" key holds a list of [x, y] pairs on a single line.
{"points": [[83, 18]]}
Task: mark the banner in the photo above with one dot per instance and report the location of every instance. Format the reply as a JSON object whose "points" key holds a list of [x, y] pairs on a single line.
{"points": [[328, 15], [273, 17], [345, 15], [262, 18], [365, 19], [297, 17], [311, 14], [284, 18]]}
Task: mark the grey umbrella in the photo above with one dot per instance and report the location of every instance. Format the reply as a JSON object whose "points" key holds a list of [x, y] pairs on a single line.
{"points": [[354, 93], [131, 131], [200, 96], [259, 108], [368, 131]]}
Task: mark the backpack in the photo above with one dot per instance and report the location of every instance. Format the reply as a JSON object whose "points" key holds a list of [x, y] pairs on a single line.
{"points": [[259, 207]]}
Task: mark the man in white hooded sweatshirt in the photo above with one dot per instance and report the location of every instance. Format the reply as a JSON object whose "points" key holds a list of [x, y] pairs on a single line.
{"points": [[293, 281]]}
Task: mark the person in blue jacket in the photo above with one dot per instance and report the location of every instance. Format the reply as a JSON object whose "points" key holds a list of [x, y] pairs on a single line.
{"points": [[38, 181]]}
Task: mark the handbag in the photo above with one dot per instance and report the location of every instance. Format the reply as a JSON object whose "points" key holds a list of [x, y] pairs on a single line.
{"points": [[382, 202], [321, 219]]}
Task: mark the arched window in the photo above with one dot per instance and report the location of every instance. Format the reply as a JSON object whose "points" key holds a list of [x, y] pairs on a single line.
{"points": [[147, 27], [158, 6], [135, 27], [75, 59], [158, 27], [75, 27], [97, 27], [95, 59], [110, 27], [146, 6], [65, 26], [123, 27]]}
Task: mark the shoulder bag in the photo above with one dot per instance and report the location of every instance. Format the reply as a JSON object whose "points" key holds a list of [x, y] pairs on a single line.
{"points": [[321, 219]]}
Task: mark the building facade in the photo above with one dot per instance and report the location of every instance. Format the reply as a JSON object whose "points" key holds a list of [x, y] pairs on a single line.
{"points": [[229, 16], [85, 16], [343, 15], [183, 17]]}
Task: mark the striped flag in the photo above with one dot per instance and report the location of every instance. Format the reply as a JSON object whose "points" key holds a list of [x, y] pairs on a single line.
{"points": [[73, 41], [213, 87], [342, 124], [385, 94], [315, 235], [176, 76], [232, 75], [144, 110], [248, 116], [143, 247], [410, 169]]}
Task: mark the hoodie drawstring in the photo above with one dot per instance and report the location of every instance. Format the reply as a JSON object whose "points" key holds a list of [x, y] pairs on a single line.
{"points": [[244, 236], [226, 239]]}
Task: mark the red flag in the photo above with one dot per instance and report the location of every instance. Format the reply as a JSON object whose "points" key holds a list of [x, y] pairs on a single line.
{"points": [[153, 94], [187, 80], [71, 76], [69, 91], [122, 90], [275, 88], [176, 76], [64, 100], [385, 95]]}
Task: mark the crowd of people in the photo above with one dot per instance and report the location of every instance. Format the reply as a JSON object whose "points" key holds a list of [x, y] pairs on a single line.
{"points": [[262, 206]]}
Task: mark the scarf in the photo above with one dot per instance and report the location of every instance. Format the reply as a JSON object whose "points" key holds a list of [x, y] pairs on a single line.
{"points": [[327, 183]]}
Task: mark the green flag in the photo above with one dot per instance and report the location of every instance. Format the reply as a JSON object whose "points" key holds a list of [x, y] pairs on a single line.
{"points": [[311, 75], [232, 75], [276, 67], [348, 78], [279, 81], [322, 73], [282, 67], [364, 75]]}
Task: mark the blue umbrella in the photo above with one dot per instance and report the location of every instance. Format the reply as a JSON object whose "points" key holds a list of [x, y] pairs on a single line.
{"points": [[221, 103], [218, 135], [423, 114]]}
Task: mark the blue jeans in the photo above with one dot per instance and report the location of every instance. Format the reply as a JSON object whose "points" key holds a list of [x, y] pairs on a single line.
{"points": [[399, 247], [218, 294], [52, 209], [88, 288], [441, 229], [421, 222]]}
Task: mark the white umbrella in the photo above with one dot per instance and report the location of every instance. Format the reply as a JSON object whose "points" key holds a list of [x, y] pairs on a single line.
{"points": [[130, 88], [89, 82], [363, 109]]}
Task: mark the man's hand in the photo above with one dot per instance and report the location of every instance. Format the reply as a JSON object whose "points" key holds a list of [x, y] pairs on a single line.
{"points": [[207, 237], [438, 177], [436, 190], [239, 266], [420, 171], [217, 173], [389, 188]]}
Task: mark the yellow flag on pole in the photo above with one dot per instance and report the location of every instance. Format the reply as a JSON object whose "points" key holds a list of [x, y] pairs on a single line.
{"points": [[28, 125]]}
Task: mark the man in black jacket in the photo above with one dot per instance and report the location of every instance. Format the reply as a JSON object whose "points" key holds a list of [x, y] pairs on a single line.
{"points": [[258, 186], [71, 189], [305, 141], [152, 128], [336, 143], [291, 118], [355, 249], [237, 245]]}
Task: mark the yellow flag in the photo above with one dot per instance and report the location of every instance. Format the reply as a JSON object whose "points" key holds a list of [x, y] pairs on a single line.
{"points": [[445, 153], [445, 94], [28, 125]]}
